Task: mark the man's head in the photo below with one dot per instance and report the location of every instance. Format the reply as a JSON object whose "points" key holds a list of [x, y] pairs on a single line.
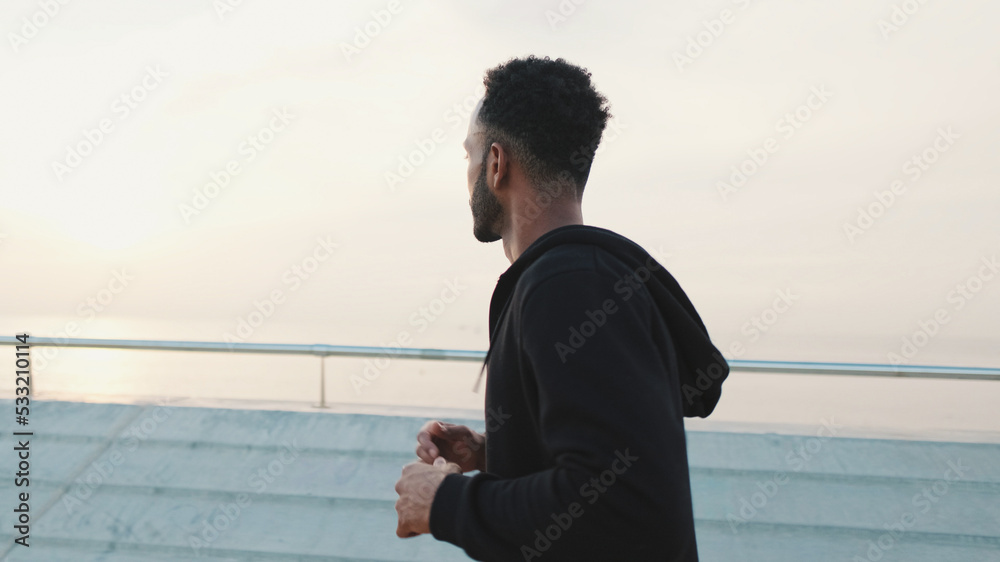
{"points": [[539, 123]]}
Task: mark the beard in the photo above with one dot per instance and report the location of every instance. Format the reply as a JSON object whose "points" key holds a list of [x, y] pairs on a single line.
{"points": [[487, 211]]}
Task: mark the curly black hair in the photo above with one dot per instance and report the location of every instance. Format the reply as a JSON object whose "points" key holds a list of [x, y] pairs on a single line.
{"points": [[548, 114]]}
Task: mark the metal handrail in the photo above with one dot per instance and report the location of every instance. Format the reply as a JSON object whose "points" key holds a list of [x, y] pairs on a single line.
{"points": [[320, 349], [324, 350]]}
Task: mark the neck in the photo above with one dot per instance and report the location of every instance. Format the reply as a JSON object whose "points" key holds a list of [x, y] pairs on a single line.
{"points": [[525, 228]]}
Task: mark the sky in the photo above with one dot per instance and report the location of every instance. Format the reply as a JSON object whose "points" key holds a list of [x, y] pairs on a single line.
{"points": [[821, 178]]}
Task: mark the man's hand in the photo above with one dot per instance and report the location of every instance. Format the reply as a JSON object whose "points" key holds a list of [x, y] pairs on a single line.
{"points": [[416, 489], [455, 443]]}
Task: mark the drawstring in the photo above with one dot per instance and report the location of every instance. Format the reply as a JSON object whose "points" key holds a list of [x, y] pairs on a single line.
{"points": [[475, 387]]}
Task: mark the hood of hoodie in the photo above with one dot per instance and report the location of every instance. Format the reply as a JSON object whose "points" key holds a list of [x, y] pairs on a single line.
{"points": [[702, 366]]}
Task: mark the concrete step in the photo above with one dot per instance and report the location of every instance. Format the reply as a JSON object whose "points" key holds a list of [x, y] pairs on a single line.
{"points": [[154, 482]]}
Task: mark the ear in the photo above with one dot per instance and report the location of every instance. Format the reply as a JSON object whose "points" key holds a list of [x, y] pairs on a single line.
{"points": [[497, 166]]}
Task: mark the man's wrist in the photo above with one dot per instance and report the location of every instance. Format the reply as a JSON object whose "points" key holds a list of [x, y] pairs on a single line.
{"points": [[443, 517]]}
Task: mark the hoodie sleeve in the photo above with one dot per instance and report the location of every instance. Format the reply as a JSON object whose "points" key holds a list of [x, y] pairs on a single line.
{"points": [[609, 413]]}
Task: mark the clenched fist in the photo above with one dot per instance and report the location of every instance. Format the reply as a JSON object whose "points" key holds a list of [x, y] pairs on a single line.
{"points": [[416, 489], [455, 443]]}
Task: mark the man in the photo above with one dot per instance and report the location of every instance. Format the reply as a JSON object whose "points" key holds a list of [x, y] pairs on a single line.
{"points": [[595, 357]]}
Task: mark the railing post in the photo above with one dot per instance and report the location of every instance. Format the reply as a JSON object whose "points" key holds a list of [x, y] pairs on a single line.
{"points": [[322, 382]]}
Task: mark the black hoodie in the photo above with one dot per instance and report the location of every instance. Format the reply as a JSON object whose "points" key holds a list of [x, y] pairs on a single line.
{"points": [[596, 355]]}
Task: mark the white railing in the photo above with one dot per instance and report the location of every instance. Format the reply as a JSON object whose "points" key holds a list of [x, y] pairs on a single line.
{"points": [[323, 351]]}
